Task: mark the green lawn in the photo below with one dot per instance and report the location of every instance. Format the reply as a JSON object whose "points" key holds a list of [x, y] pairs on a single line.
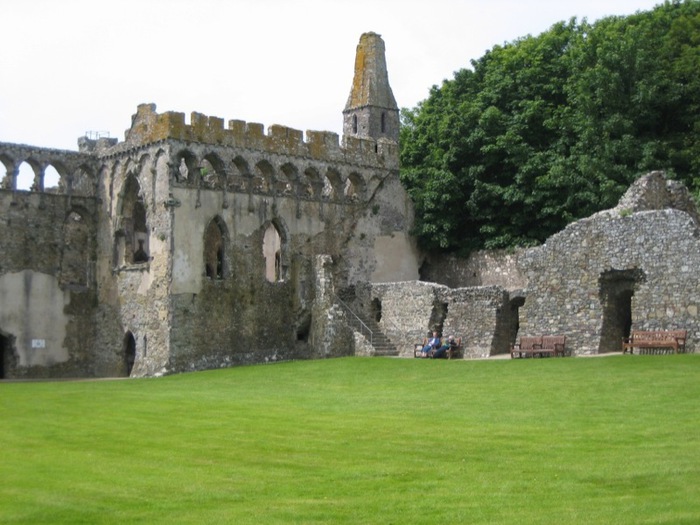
{"points": [[361, 441]]}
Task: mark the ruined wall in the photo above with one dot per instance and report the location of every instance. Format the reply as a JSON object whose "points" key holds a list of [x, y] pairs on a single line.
{"points": [[205, 246], [47, 288], [482, 268], [320, 198], [409, 310], [579, 280]]}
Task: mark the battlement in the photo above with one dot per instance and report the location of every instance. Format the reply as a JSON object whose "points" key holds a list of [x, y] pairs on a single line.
{"points": [[148, 126]]}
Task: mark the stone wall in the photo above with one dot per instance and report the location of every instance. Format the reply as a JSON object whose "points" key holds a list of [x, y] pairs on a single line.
{"points": [[47, 285], [408, 311], [626, 268], [482, 268]]}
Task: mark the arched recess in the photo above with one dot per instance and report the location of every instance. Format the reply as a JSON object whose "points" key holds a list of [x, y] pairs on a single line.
{"points": [[287, 178], [80, 182], [132, 236], [161, 177], [186, 167], [129, 354], [239, 175], [274, 249], [75, 259], [263, 175], [354, 187], [213, 172], [310, 183], [215, 247], [332, 185]]}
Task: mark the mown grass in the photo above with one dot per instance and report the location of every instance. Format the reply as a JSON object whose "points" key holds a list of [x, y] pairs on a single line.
{"points": [[390, 441]]}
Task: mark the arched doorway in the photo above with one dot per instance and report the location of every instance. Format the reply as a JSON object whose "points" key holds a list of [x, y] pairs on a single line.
{"points": [[616, 291], [129, 353]]}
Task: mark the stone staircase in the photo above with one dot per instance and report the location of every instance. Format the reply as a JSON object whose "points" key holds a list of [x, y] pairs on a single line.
{"points": [[370, 329]]}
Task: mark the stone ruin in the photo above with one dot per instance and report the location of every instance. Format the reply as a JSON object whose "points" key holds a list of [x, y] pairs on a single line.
{"points": [[201, 244], [192, 246], [633, 267]]}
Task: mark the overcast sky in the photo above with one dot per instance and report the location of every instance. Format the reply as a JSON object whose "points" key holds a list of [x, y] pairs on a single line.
{"points": [[72, 66]]}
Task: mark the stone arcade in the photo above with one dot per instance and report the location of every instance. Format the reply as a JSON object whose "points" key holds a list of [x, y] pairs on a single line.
{"points": [[192, 246]]}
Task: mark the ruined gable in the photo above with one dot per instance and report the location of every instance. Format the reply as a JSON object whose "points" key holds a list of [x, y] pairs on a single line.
{"points": [[631, 267]]}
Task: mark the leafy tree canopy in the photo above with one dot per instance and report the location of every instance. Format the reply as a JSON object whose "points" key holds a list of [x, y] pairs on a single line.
{"points": [[548, 129]]}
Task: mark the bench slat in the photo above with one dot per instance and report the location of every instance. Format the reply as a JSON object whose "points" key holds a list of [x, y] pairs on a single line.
{"points": [[674, 339]]}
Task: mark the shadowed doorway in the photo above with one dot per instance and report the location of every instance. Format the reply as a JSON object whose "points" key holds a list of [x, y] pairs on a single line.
{"points": [[616, 290], [129, 353], [4, 353]]}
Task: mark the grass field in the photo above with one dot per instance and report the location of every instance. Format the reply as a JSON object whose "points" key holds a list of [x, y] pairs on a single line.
{"points": [[361, 441]]}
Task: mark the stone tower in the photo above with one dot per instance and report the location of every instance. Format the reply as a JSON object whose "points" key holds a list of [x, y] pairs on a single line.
{"points": [[371, 110]]}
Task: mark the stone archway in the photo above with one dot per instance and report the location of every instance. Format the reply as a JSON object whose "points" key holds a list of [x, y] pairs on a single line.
{"points": [[129, 353], [616, 289]]}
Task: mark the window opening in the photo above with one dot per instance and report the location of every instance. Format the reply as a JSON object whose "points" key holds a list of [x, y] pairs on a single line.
{"points": [[214, 250], [25, 178], [272, 252], [354, 123], [52, 179]]}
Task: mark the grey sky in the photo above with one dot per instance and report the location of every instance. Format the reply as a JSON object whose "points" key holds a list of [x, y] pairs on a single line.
{"points": [[71, 66]]}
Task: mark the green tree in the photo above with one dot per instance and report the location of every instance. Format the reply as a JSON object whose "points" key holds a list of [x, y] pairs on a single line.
{"points": [[548, 129]]}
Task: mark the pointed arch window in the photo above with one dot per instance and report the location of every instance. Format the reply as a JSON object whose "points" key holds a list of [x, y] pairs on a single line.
{"points": [[132, 238], [272, 252], [215, 249]]}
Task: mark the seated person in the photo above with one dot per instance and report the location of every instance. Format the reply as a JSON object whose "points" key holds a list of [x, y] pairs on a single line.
{"points": [[433, 344], [442, 351]]}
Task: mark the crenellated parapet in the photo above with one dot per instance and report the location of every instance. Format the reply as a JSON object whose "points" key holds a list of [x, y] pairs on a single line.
{"points": [[148, 126]]}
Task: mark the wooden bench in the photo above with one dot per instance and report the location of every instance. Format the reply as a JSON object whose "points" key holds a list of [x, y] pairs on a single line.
{"points": [[526, 347], [540, 346], [661, 340], [453, 351], [553, 345]]}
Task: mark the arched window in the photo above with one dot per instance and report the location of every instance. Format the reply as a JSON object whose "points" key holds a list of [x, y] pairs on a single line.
{"points": [[354, 187], [132, 239], [215, 249], [383, 123], [52, 179], [272, 252], [354, 123], [26, 177]]}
